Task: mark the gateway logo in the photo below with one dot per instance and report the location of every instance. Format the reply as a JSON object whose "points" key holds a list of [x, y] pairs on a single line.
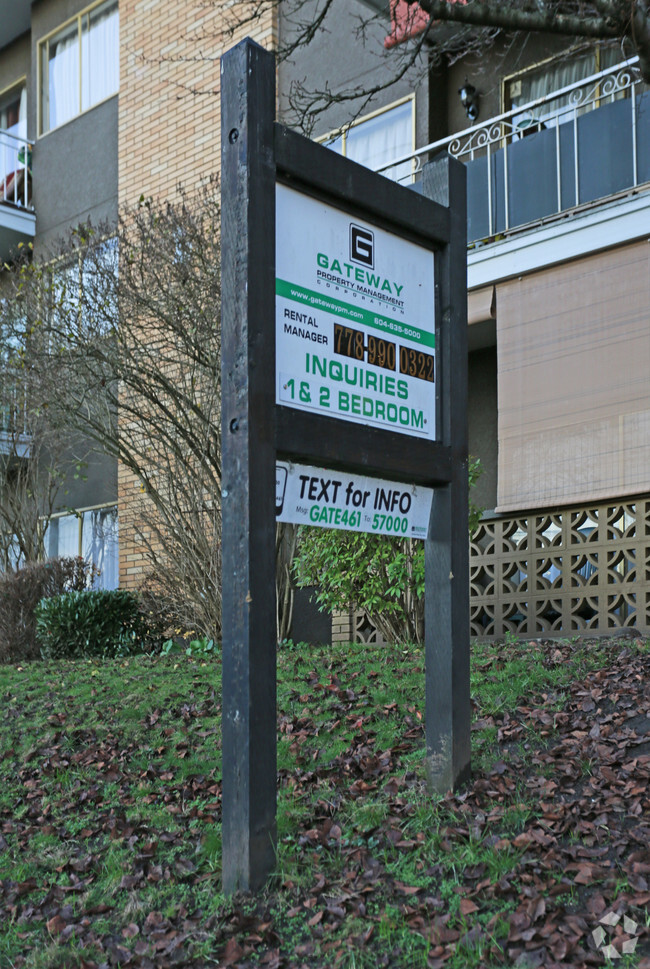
{"points": [[362, 246]]}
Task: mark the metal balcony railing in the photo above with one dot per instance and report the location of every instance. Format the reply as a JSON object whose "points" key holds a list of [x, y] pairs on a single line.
{"points": [[545, 158], [15, 170], [15, 437]]}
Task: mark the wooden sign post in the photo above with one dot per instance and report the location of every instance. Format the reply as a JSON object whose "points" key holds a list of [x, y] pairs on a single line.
{"points": [[344, 404]]}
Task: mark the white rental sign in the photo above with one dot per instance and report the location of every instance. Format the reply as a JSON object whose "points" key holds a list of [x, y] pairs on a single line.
{"points": [[306, 495], [355, 327]]}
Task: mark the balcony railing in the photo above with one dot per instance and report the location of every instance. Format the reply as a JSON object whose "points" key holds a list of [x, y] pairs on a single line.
{"points": [[15, 439], [15, 170], [541, 159]]}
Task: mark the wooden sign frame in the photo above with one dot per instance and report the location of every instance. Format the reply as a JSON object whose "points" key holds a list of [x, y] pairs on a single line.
{"points": [[257, 153]]}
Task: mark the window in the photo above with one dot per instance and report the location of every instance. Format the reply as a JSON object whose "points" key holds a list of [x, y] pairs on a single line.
{"points": [[553, 75], [91, 533], [13, 110], [79, 65], [83, 291], [12, 390], [13, 125], [377, 139]]}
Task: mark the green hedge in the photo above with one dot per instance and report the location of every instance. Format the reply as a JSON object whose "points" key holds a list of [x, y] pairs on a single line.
{"points": [[20, 593], [96, 622]]}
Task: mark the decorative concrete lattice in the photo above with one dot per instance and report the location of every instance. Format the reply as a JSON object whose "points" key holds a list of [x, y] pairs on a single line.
{"points": [[562, 572], [557, 573]]}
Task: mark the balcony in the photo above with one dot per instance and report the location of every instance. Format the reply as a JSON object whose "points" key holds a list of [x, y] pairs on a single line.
{"points": [[17, 218], [576, 147], [15, 440]]}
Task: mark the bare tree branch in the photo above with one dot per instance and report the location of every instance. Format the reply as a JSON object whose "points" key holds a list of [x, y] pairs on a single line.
{"points": [[548, 20], [140, 341]]}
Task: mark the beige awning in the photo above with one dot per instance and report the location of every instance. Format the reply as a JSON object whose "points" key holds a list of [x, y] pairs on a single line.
{"points": [[573, 350], [481, 305]]}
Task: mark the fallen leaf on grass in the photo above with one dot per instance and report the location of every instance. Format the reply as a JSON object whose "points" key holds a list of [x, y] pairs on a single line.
{"points": [[467, 906], [55, 925]]}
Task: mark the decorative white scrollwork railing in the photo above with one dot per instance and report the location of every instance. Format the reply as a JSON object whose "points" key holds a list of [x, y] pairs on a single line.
{"points": [[579, 144]]}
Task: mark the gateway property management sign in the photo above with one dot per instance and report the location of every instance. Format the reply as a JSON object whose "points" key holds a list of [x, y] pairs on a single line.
{"points": [[355, 327], [336, 283]]}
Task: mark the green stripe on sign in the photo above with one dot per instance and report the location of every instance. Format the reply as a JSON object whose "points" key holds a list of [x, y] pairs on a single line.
{"points": [[353, 313]]}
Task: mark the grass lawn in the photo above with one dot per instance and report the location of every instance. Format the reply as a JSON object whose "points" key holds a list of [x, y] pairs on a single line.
{"points": [[110, 807]]}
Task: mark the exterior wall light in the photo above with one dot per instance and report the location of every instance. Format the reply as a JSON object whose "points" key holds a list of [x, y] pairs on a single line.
{"points": [[469, 98]]}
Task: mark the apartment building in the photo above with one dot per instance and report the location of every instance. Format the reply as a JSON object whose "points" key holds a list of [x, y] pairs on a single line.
{"points": [[554, 135], [558, 166], [59, 72], [102, 103], [555, 139], [91, 119]]}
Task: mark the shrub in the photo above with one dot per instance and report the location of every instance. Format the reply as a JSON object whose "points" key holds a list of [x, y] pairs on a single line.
{"points": [[95, 622], [20, 593], [381, 575], [196, 647], [157, 614]]}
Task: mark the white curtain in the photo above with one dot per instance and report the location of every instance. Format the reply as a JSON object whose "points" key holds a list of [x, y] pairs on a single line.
{"points": [[335, 144], [13, 120], [63, 78], [378, 140], [22, 115], [554, 77], [99, 542], [99, 55], [100, 545], [63, 534], [65, 296]]}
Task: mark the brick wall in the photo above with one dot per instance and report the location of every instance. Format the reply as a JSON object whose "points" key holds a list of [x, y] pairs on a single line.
{"points": [[169, 134], [343, 627]]}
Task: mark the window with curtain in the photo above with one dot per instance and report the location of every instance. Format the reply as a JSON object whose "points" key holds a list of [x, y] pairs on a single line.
{"points": [[92, 534], [13, 122], [79, 65], [537, 82], [100, 545], [378, 139], [12, 390], [83, 292]]}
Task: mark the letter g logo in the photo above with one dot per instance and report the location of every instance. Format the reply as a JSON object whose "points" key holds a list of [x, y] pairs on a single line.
{"points": [[362, 246]]}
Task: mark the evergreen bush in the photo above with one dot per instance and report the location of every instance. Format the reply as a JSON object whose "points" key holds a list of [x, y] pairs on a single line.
{"points": [[94, 622]]}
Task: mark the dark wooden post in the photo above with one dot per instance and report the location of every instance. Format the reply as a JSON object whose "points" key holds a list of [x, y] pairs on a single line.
{"points": [[248, 477], [254, 425], [446, 621]]}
